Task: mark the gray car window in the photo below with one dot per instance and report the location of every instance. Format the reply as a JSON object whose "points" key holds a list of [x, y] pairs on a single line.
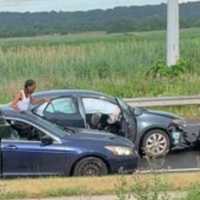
{"points": [[62, 105]]}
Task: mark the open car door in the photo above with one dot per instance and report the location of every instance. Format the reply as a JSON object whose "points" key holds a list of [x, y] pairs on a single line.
{"points": [[129, 123]]}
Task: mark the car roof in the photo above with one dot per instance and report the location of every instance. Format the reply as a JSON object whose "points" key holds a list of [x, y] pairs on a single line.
{"points": [[8, 112], [71, 92]]}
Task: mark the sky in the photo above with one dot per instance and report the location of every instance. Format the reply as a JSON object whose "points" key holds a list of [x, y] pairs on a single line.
{"points": [[70, 5]]}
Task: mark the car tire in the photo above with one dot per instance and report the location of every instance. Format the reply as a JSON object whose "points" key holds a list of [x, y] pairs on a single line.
{"points": [[90, 166], [156, 143]]}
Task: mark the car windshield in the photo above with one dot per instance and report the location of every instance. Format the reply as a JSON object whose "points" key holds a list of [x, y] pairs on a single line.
{"points": [[67, 129], [56, 129]]}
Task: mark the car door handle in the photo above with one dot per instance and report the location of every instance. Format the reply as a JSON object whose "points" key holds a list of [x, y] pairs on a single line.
{"points": [[11, 147]]}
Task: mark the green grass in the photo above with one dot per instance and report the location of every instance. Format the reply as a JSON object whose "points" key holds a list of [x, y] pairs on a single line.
{"points": [[114, 63], [59, 186]]}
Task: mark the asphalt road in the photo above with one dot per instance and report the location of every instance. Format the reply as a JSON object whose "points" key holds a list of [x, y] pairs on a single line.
{"points": [[184, 159]]}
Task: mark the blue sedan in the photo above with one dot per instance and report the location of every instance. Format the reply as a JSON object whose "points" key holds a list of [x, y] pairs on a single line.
{"points": [[31, 146]]}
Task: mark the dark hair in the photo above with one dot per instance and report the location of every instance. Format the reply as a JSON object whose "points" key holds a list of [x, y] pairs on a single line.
{"points": [[29, 83]]}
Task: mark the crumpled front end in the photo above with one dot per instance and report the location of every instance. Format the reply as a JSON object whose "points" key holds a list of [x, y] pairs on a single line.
{"points": [[184, 134]]}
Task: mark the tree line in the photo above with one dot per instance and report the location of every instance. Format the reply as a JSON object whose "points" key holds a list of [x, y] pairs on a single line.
{"points": [[119, 19]]}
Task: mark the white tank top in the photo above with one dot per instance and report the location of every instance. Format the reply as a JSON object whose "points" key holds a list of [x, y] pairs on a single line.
{"points": [[24, 103]]}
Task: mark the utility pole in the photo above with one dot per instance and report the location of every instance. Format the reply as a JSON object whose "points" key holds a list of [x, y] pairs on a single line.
{"points": [[173, 32]]}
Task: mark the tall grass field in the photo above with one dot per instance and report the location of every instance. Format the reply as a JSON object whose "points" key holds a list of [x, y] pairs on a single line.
{"points": [[116, 64]]}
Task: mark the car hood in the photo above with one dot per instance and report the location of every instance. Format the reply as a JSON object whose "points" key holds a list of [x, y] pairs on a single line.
{"points": [[100, 136], [163, 114], [141, 111], [92, 131]]}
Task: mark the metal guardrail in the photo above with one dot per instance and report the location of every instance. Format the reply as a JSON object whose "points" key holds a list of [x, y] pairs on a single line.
{"points": [[164, 101], [160, 101]]}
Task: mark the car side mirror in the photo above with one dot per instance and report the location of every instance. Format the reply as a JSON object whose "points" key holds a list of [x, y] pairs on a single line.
{"points": [[47, 140]]}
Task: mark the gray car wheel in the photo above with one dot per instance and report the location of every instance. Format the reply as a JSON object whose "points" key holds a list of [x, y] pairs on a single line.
{"points": [[90, 166], [156, 143]]}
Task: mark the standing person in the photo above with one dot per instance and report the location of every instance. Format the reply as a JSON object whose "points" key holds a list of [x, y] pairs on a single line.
{"points": [[24, 99]]}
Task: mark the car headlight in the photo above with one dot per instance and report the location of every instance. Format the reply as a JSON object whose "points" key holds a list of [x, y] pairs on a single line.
{"points": [[120, 151]]}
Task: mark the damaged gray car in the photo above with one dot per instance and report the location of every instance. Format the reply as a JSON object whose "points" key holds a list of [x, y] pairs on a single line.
{"points": [[148, 129]]}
